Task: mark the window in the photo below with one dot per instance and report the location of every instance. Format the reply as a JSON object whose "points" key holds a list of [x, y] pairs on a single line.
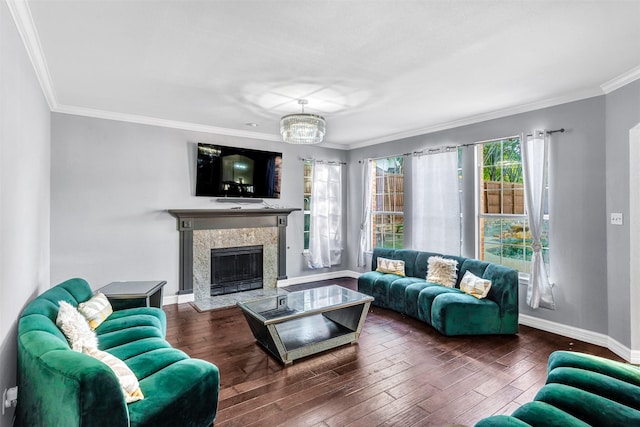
{"points": [[308, 169], [503, 228], [387, 203]]}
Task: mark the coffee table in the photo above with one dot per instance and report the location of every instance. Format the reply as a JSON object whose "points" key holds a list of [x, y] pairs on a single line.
{"points": [[298, 324]]}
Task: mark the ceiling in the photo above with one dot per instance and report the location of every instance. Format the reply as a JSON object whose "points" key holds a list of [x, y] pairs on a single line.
{"points": [[376, 70]]}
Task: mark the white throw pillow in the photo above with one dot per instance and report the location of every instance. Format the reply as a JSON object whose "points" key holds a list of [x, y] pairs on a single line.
{"points": [[126, 377], [474, 285], [96, 310], [75, 327], [442, 271]]}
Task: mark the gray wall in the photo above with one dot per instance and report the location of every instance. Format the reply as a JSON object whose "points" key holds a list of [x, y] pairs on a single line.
{"points": [[578, 229], [24, 192], [623, 113], [112, 182]]}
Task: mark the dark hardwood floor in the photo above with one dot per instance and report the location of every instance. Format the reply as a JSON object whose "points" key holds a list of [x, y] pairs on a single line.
{"points": [[401, 372]]}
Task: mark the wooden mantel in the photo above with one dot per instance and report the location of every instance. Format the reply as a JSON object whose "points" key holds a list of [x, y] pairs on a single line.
{"points": [[215, 219]]}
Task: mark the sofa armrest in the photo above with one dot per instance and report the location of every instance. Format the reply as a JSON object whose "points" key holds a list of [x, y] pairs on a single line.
{"points": [[68, 388]]}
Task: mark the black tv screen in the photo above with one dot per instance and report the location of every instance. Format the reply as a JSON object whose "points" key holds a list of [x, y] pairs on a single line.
{"points": [[237, 172]]}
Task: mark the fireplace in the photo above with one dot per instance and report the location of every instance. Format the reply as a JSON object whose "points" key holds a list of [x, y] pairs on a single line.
{"points": [[202, 230], [236, 269]]}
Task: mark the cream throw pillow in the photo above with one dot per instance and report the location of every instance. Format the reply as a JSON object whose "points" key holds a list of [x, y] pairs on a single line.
{"points": [[96, 310], [75, 327], [127, 379], [474, 285], [390, 266], [442, 271]]}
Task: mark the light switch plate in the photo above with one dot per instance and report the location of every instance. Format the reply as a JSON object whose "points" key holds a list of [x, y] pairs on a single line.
{"points": [[616, 218]]}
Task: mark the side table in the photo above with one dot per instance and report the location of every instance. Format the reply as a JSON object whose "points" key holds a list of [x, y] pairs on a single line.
{"points": [[123, 295]]}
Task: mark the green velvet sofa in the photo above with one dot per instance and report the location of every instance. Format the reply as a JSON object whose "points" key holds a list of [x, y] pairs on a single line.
{"points": [[61, 387], [449, 310], [581, 390]]}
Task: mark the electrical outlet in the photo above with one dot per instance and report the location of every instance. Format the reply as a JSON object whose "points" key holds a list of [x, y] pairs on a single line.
{"points": [[9, 398], [616, 218]]}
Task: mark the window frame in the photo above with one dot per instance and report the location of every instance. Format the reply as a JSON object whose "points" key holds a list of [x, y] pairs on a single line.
{"points": [[375, 195], [480, 216], [306, 207]]}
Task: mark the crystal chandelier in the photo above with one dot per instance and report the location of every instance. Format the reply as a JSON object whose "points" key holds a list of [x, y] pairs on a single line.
{"points": [[302, 128]]}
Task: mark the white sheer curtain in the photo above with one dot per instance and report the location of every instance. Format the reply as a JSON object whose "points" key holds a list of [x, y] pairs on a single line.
{"points": [[535, 149], [325, 237], [365, 221], [435, 201]]}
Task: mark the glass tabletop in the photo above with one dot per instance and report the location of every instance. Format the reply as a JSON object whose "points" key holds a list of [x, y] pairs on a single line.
{"points": [[301, 303]]}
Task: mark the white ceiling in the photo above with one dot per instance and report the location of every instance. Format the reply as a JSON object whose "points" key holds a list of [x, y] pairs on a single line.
{"points": [[377, 70]]}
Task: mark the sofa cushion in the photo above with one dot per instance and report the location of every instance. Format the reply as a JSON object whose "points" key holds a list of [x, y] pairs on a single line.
{"points": [[457, 313], [593, 382], [149, 362], [184, 393], [366, 280], [411, 293], [610, 368], [590, 408], [96, 310], [426, 297], [380, 289], [501, 421], [442, 271], [397, 290], [544, 414], [119, 321], [75, 328]]}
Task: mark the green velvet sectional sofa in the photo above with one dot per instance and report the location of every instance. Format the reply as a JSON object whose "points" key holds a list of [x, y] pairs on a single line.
{"points": [[449, 310], [61, 387], [581, 390]]}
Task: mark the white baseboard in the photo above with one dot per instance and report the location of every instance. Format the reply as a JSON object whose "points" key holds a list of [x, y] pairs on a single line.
{"points": [[177, 299], [315, 277], [631, 356]]}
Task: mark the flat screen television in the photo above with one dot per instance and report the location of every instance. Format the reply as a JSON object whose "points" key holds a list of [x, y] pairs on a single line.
{"points": [[237, 172]]}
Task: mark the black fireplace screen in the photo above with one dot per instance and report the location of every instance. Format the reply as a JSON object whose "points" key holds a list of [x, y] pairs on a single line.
{"points": [[236, 269]]}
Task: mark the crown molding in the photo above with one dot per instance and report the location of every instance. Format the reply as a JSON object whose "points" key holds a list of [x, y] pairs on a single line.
{"points": [[154, 121], [552, 102], [173, 124], [622, 80], [21, 14]]}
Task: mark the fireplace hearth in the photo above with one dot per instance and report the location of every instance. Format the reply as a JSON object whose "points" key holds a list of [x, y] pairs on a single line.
{"points": [[236, 269]]}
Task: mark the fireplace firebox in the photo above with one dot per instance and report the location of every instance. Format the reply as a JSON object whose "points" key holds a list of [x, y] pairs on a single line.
{"points": [[236, 269]]}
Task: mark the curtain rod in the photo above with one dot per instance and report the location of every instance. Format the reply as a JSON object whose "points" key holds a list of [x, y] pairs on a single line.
{"points": [[453, 147], [329, 162]]}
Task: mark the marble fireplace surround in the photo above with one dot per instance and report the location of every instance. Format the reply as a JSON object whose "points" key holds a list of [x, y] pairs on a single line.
{"points": [[204, 229], [205, 240]]}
